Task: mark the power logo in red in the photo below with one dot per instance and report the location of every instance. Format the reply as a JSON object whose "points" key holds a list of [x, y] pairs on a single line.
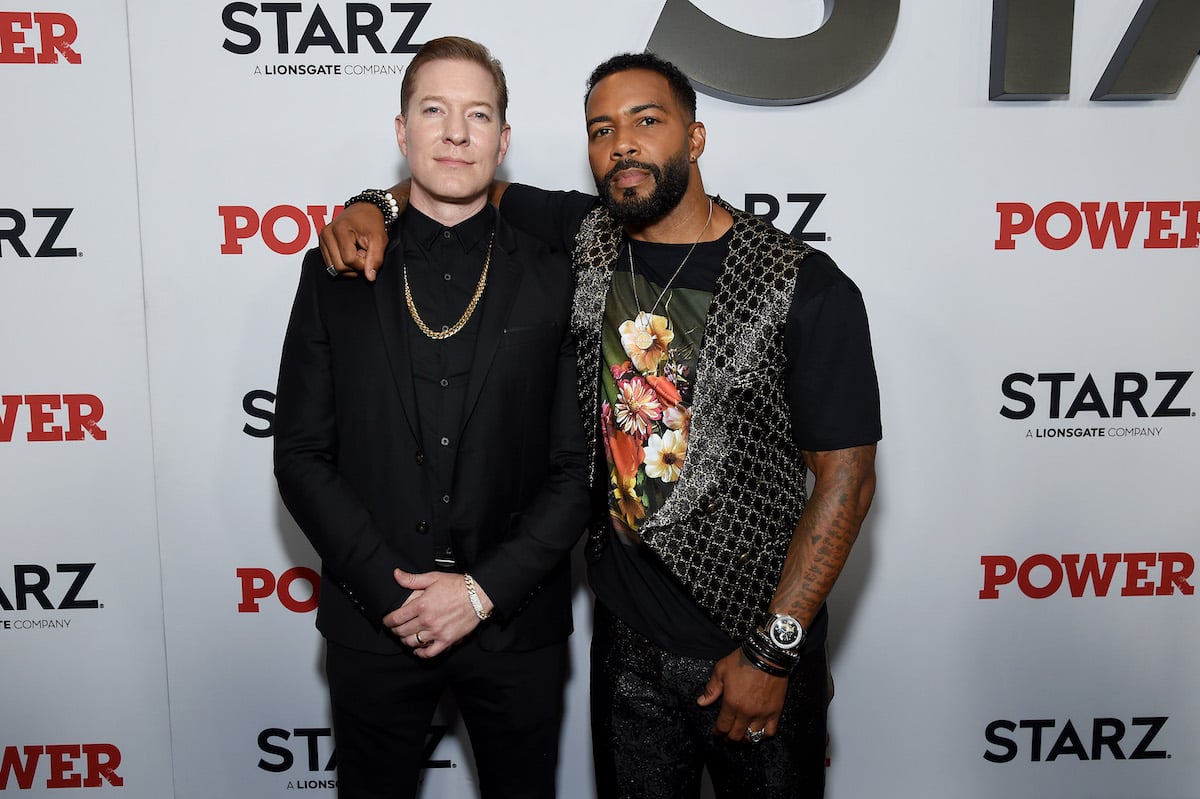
{"points": [[259, 584], [1150, 225], [37, 37], [285, 229], [51, 417], [1125, 574], [60, 766]]}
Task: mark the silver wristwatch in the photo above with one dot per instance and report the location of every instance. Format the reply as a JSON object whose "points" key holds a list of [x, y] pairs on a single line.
{"points": [[783, 631]]}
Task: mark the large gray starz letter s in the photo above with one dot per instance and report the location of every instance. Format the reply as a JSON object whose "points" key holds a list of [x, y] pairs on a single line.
{"points": [[755, 70]]}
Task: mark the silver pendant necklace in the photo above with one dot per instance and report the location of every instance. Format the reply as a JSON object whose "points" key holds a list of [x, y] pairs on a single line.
{"points": [[678, 269]]}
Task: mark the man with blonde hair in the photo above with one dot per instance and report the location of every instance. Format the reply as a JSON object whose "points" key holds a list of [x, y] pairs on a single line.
{"points": [[721, 362], [427, 442]]}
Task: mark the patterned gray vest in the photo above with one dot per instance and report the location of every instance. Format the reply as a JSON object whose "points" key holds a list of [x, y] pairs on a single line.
{"points": [[725, 529]]}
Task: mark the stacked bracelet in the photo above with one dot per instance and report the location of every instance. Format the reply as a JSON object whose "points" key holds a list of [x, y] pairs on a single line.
{"points": [[383, 200], [474, 597], [761, 663], [767, 657]]}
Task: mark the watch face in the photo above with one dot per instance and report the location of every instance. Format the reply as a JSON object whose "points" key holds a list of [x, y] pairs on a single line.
{"points": [[785, 632]]}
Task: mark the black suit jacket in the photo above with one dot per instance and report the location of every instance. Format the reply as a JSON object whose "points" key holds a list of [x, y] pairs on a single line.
{"points": [[348, 455]]}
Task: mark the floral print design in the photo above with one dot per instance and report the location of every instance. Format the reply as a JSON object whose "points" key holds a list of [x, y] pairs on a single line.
{"points": [[645, 414], [645, 339]]}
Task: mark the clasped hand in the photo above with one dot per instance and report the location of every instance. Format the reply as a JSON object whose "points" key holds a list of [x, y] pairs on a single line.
{"points": [[437, 614]]}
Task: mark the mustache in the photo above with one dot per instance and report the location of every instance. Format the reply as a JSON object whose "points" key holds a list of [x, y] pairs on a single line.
{"points": [[629, 163]]}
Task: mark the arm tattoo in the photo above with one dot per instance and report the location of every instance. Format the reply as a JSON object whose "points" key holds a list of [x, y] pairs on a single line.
{"points": [[842, 490]]}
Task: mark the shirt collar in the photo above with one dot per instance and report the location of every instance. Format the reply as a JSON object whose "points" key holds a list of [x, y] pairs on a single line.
{"points": [[469, 233]]}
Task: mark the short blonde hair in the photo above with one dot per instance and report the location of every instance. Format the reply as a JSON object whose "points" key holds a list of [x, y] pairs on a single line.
{"points": [[455, 48]]}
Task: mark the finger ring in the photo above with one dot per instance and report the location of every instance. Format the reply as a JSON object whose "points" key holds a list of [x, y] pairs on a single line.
{"points": [[419, 641], [332, 270], [754, 736]]}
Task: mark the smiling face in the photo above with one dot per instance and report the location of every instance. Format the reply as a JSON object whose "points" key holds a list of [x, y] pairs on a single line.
{"points": [[641, 144], [454, 138]]}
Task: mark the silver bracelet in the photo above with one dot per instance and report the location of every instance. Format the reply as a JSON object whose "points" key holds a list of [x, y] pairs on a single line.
{"points": [[474, 597]]}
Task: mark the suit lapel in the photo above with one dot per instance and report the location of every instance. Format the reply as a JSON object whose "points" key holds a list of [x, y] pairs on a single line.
{"points": [[504, 279], [390, 304]]}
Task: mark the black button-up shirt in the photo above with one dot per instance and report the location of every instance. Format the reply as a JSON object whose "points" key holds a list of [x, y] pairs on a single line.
{"points": [[443, 265]]}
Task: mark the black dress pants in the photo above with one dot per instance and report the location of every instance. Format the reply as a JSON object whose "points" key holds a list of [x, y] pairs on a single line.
{"points": [[511, 704]]}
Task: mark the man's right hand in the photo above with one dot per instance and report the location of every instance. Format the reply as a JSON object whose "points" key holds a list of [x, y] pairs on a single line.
{"points": [[354, 242]]}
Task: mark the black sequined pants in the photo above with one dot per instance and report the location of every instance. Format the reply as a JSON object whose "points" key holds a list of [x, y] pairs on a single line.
{"points": [[652, 741]]}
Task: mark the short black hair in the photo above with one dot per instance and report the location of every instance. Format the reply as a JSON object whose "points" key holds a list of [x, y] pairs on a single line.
{"points": [[681, 87]]}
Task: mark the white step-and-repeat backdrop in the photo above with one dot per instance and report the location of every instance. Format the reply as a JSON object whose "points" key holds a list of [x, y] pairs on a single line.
{"points": [[1019, 617]]}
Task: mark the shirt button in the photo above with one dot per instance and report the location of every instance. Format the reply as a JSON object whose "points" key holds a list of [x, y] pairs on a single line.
{"points": [[422, 527], [445, 234], [445, 441], [446, 276], [445, 328], [420, 456], [444, 382], [445, 499]]}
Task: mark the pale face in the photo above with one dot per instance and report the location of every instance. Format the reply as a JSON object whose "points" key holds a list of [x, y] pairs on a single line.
{"points": [[453, 138]]}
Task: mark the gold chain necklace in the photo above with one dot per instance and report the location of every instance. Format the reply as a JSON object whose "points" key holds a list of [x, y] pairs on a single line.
{"points": [[462, 321], [678, 269]]}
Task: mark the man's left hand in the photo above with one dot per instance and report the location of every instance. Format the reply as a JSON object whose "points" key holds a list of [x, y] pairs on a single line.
{"points": [[438, 609], [750, 698]]}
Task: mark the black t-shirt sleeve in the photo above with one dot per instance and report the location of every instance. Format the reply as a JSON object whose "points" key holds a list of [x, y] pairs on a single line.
{"points": [[832, 389], [552, 216]]}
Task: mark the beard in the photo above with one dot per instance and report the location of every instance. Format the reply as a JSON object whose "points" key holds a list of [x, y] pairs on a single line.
{"points": [[670, 184]]}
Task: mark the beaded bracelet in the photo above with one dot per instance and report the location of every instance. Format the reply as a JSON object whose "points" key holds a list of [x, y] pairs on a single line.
{"points": [[383, 200]]}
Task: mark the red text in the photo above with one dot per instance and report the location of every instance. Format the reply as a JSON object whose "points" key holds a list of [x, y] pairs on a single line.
{"points": [[83, 413], [55, 34], [261, 583], [100, 763], [1169, 225], [1040, 576], [294, 235]]}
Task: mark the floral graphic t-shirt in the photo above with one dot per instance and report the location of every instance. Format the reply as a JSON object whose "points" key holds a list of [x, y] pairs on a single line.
{"points": [[646, 392], [650, 342]]}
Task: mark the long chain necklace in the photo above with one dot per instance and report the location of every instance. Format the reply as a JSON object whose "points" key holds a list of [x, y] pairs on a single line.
{"points": [[462, 321], [678, 269]]}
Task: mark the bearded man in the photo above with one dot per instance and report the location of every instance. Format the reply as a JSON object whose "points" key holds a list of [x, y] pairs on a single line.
{"points": [[719, 362]]}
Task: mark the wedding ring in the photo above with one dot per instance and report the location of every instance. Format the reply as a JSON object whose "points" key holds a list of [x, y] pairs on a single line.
{"points": [[419, 641]]}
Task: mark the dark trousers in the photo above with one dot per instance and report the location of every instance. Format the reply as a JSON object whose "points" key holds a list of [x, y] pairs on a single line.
{"points": [[511, 703], [651, 740]]}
